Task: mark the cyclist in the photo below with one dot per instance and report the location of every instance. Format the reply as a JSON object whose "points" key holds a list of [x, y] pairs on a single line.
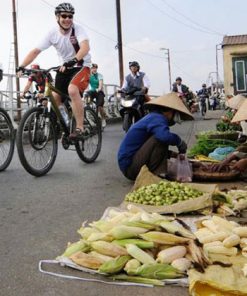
{"points": [[137, 79], [96, 91], [72, 45], [39, 80]]}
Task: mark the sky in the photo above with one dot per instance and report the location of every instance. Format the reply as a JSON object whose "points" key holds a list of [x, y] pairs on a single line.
{"points": [[190, 29]]}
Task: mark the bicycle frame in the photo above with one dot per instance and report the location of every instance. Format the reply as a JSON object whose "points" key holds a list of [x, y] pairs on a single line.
{"points": [[49, 88]]}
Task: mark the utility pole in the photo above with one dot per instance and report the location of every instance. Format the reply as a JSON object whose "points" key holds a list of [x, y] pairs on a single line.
{"points": [[217, 69], [169, 65], [119, 44], [16, 59]]}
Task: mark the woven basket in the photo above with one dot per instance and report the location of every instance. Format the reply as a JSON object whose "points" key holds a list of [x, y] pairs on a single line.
{"points": [[214, 176]]}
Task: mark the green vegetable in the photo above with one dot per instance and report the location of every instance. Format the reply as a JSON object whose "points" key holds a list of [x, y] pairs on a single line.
{"points": [[136, 279], [163, 193]]}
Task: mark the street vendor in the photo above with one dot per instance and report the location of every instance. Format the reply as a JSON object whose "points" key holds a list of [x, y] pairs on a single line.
{"points": [[241, 152], [147, 141]]}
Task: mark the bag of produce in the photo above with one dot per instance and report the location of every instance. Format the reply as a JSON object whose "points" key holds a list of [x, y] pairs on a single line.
{"points": [[184, 170]]}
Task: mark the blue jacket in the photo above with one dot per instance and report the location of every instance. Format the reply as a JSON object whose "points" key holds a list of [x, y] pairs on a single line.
{"points": [[152, 124]]}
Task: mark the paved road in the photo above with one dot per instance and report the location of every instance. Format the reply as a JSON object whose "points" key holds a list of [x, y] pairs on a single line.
{"points": [[38, 216]]}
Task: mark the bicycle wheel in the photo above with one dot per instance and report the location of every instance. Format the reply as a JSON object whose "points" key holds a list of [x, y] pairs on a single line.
{"points": [[37, 142], [7, 140], [89, 148]]}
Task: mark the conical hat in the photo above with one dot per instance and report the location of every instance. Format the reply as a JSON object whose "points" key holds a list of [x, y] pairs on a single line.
{"points": [[172, 101], [241, 113], [235, 102]]}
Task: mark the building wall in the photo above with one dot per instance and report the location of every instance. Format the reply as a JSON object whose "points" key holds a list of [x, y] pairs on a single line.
{"points": [[230, 51]]}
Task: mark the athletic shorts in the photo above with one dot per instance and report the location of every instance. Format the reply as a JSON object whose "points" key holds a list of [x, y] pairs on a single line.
{"points": [[99, 96], [76, 76]]}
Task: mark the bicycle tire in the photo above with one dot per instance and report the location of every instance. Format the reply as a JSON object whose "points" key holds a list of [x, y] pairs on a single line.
{"points": [[89, 148], [34, 137], [7, 133]]}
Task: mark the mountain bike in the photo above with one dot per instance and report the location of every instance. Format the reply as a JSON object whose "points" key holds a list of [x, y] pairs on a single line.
{"points": [[7, 140], [41, 126]]}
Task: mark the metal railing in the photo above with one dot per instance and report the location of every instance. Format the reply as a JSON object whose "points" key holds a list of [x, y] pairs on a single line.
{"points": [[8, 98]]}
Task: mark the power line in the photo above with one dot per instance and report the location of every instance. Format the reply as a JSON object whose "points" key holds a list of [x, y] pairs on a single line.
{"points": [[189, 19], [179, 21]]}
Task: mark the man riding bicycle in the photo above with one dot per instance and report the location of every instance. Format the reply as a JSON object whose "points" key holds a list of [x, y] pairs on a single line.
{"points": [[72, 45]]}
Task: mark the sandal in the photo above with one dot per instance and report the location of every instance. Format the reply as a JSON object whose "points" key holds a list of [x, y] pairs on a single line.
{"points": [[78, 134]]}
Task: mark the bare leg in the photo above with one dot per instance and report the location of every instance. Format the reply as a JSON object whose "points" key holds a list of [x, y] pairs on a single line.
{"points": [[77, 105], [57, 98]]}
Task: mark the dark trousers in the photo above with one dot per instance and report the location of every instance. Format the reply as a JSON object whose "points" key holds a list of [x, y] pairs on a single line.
{"points": [[153, 154]]}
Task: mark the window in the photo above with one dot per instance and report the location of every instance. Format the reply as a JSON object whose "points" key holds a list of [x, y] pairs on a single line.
{"points": [[240, 75]]}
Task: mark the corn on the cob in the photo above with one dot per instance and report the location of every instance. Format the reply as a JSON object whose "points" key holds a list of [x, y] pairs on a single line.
{"points": [[164, 238], [181, 264], [76, 247], [170, 254], [245, 270], [243, 242], [123, 231], [102, 225], [99, 236], [158, 271], [141, 224], [221, 250], [137, 279], [202, 232], [108, 249], [213, 244], [210, 225], [139, 254], [223, 224], [241, 231], [131, 266], [138, 242], [115, 265], [85, 232], [220, 236], [244, 251], [86, 260], [101, 257], [177, 230], [231, 241]]}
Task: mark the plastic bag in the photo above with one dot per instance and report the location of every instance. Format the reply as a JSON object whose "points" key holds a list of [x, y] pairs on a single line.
{"points": [[184, 169]]}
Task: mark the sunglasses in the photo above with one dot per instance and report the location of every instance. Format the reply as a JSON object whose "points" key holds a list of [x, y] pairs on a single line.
{"points": [[64, 16]]}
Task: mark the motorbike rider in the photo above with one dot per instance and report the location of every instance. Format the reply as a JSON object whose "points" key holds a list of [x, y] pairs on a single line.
{"points": [[203, 94], [136, 80], [148, 140]]}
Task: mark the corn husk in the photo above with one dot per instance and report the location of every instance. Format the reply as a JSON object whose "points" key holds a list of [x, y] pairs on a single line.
{"points": [[123, 231], [81, 245], [139, 254], [115, 265], [108, 249], [138, 242], [164, 238], [86, 260]]}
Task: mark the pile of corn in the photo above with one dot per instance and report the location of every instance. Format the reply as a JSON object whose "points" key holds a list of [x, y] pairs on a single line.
{"points": [[222, 237], [163, 193], [136, 246]]}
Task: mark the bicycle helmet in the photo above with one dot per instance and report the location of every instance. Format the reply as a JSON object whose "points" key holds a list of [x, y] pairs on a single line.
{"points": [[64, 7], [134, 64], [35, 66], [94, 66]]}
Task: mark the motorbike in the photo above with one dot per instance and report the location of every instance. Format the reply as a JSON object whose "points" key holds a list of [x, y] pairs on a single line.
{"points": [[131, 106]]}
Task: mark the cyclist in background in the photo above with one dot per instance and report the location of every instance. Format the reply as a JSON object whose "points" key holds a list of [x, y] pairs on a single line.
{"points": [[39, 80], [72, 45], [96, 91]]}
